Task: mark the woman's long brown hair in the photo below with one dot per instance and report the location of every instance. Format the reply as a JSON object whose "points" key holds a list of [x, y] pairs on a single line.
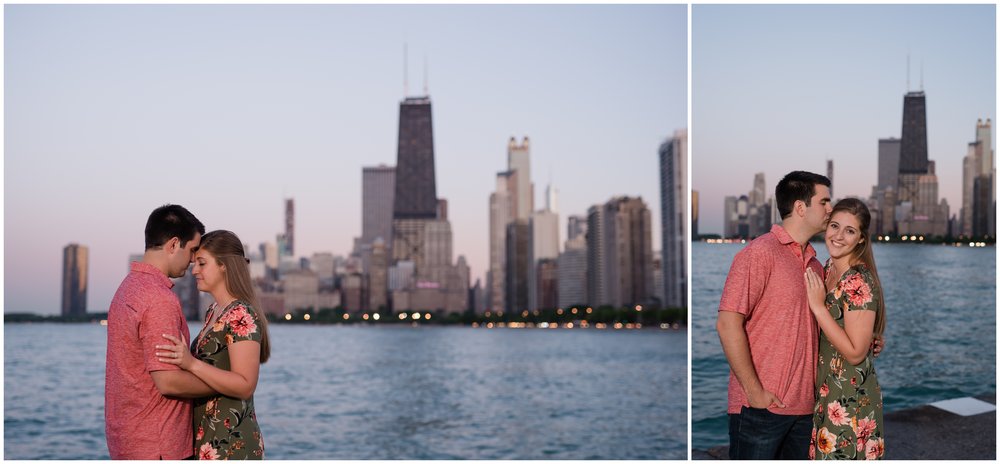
{"points": [[863, 252], [227, 249]]}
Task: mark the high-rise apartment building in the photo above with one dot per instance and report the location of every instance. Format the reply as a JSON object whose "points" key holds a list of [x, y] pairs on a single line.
{"points": [[572, 271], [620, 251], [673, 217], [74, 281]]}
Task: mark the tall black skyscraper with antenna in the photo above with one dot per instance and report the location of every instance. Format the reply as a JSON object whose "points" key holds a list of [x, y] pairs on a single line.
{"points": [[913, 142], [416, 193]]}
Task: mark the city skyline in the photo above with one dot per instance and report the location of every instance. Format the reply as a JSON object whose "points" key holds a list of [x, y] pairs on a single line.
{"points": [[827, 95], [255, 104]]}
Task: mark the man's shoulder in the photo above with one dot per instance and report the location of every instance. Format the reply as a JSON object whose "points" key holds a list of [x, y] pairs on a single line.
{"points": [[762, 244], [139, 290]]}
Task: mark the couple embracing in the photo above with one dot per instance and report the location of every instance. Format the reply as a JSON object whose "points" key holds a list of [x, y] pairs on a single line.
{"points": [[164, 400], [799, 335]]}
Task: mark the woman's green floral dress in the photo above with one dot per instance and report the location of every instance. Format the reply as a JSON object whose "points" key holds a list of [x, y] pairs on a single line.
{"points": [[226, 427], [847, 420]]}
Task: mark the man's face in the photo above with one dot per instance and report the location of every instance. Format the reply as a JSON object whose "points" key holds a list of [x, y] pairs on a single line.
{"points": [[184, 256], [818, 209]]}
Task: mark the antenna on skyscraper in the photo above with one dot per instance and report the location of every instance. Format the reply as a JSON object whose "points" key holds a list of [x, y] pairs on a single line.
{"points": [[921, 74], [405, 71], [907, 71], [425, 76]]}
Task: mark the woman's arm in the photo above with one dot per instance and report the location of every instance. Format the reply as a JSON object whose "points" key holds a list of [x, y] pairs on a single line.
{"points": [[240, 382], [853, 340]]}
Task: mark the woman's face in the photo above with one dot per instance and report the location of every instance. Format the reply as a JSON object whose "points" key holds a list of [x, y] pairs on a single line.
{"points": [[208, 273], [843, 234]]}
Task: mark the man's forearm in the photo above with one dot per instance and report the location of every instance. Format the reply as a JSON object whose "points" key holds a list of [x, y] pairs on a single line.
{"points": [[181, 384]]}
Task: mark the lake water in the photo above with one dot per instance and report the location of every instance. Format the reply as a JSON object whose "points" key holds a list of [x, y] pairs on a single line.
{"points": [[353, 392], [940, 328]]}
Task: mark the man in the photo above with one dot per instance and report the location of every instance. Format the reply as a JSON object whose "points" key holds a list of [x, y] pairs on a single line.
{"points": [[767, 330], [145, 414]]}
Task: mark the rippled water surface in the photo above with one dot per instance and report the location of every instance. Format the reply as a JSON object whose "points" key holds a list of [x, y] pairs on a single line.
{"points": [[333, 392], [940, 329]]}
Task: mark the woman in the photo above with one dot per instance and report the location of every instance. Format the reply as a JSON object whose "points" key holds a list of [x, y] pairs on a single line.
{"points": [[847, 422], [227, 353]]}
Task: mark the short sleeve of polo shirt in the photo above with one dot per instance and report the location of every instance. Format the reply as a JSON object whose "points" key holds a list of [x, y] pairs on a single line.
{"points": [[156, 322], [746, 281]]}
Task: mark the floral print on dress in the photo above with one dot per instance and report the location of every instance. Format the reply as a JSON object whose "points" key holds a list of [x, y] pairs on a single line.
{"points": [[847, 419], [226, 427]]}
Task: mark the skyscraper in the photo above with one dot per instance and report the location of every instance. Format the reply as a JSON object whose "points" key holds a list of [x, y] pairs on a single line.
{"points": [[74, 281], [290, 226], [912, 145], [758, 196], [378, 189], [620, 249], [981, 220], [970, 171], [519, 161], [596, 256], [501, 213], [416, 191], [543, 233], [415, 201], [421, 233], [673, 217], [572, 271], [829, 175], [888, 163], [730, 217], [917, 209], [516, 274], [694, 214], [886, 192], [758, 208]]}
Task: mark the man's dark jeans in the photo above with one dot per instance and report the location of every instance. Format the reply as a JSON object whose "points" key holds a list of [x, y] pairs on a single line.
{"points": [[762, 434]]}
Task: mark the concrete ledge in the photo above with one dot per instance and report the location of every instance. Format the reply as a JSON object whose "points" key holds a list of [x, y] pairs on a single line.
{"points": [[924, 432]]}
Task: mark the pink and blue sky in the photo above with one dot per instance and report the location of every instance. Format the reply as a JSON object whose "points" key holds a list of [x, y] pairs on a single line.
{"points": [[113, 110], [777, 88]]}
